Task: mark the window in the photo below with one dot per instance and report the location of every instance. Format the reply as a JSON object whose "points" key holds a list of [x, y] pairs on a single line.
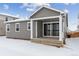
{"points": [[6, 19], [28, 25], [17, 27], [8, 27]]}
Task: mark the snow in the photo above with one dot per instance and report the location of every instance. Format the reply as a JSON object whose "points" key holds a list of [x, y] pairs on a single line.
{"points": [[18, 47]]}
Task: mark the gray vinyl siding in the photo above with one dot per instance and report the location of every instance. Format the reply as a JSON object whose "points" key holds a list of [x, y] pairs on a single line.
{"points": [[34, 29], [23, 34], [10, 18], [2, 28], [39, 29], [44, 12], [65, 25], [3, 25]]}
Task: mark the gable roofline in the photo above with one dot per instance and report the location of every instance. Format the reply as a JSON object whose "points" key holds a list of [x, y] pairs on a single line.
{"points": [[9, 15], [47, 8]]}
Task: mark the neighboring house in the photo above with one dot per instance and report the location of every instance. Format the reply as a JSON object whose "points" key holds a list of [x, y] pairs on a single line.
{"points": [[4, 18], [44, 23]]}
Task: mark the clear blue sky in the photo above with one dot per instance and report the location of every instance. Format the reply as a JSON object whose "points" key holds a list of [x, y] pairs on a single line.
{"points": [[25, 10]]}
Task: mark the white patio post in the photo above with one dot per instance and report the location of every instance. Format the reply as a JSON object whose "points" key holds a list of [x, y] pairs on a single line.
{"points": [[60, 29], [31, 29], [36, 29]]}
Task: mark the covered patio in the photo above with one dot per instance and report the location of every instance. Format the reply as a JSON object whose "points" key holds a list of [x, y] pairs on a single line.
{"points": [[47, 30]]}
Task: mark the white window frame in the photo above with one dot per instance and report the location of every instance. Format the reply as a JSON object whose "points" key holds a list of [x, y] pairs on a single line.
{"points": [[16, 27], [28, 25], [7, 27]]}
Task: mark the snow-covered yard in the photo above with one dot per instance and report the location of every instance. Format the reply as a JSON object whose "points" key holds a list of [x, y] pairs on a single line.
{"points": [[16, 47]]}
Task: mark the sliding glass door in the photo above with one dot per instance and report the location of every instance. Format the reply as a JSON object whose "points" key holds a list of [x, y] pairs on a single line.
{"points": [[51, 29], [55, 29]]}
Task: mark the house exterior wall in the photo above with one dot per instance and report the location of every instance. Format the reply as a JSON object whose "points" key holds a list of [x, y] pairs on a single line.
{"points": [[45, 13], [65, 20], [34, 29], [2, 17], [10, 18], [3, 25], [23, 34], [39, 29]]}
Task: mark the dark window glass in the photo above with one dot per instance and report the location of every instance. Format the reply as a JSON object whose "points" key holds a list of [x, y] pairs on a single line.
{"points": [[55, 29], [6, 19], [29, 26], [17, 27], [45, 29], [8, 27]]}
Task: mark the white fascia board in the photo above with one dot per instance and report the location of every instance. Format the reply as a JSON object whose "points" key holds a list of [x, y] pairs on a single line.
{"points": [[45, 18], [54, 9], [35, 11], [47, 8]]}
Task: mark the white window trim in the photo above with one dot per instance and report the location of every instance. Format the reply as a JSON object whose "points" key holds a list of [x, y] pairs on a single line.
{"points": [[7, 27], [28, 25], [15, 27]]}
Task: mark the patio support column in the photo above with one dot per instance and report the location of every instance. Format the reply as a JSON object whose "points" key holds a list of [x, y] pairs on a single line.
{"points": [[31, 29], [60, 29], [36, 29]]}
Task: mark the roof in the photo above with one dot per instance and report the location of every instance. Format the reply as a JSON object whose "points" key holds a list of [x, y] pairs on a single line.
{"points": [[47, 8], [9, 15], [17, 20]]}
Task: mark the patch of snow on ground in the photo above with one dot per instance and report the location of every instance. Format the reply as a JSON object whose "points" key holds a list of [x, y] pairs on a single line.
{"points": [[18, 47]]}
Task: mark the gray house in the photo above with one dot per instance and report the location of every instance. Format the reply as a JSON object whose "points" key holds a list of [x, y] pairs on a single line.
{"points": [[45, 25], [5, 18]]}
